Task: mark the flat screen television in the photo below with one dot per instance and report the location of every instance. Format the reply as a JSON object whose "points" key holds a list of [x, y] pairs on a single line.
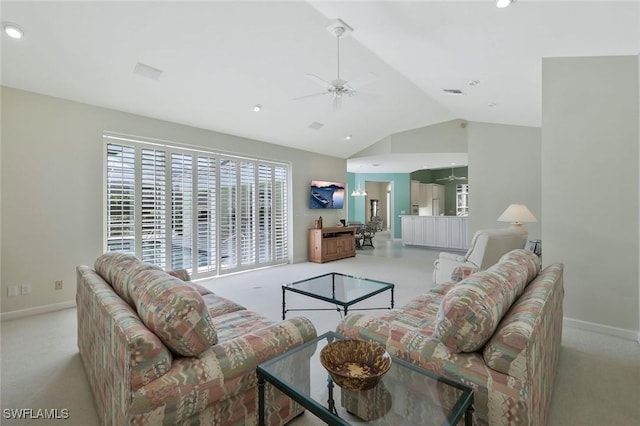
{"points": [[326, 195]]}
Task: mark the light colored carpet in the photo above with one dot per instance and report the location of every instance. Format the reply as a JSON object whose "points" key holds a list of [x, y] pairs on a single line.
{"points": [[598, 380]]}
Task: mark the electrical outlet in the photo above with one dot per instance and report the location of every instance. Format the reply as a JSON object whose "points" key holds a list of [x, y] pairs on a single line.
{"points": [[59, 285], [25, 289], [12, 291]]}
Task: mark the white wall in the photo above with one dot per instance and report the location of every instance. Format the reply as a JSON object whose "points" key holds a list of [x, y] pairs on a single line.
{"points": [[446, 137], [504, 168], [590, 165], [52, 187]]}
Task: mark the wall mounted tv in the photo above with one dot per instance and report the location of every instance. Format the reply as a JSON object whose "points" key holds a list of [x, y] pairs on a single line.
{"points": [[326, 195]]}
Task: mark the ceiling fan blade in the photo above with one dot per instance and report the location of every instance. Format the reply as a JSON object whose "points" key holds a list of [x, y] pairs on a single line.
{"points": [[317, 80], [310, 96], [361, 81]]}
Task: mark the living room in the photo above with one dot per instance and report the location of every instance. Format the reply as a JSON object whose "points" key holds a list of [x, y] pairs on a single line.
{"points": [[577, 170]]}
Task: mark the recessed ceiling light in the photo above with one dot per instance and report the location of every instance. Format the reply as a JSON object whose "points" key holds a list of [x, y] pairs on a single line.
{"points": [[474, 82], [503, 3], [376, 165], [257, 108], [491, 104], [13, 31], [315, 125], [348, 137]]}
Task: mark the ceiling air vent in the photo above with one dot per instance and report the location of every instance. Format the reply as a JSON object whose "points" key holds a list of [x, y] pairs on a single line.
{"points": [[315, 125], [454, 92], [147, 71]]}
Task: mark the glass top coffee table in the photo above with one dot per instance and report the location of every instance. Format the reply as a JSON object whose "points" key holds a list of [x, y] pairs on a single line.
{"points": [[406, 394], [339, 289]]}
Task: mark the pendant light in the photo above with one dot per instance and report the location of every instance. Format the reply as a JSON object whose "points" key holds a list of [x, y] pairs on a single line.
{"points": [[358, 192]]}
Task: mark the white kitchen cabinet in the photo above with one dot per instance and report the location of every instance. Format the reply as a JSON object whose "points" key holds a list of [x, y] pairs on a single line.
{"points": [[457, 232], [415, 193], [435, 231]]}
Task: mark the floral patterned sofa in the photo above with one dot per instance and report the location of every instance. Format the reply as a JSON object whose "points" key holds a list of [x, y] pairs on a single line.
{"points": [[497, 331], [159, 350]]}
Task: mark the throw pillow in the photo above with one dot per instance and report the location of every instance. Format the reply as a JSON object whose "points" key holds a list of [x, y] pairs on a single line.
{"points": [[118, 269], [470, 312], [528, 261], [174, 311]]}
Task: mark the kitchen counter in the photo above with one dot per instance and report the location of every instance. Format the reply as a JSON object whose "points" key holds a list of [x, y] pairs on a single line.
{"points": [[448, 232]]}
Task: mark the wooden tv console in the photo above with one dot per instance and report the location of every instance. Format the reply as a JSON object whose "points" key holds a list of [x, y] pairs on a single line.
{"points": [[333, 243]]}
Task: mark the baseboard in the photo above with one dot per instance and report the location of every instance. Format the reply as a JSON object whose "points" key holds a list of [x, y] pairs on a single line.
{"points": [[602, 329], [5, 316]]}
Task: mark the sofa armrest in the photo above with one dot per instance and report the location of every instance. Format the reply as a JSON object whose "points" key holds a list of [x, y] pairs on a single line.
{"points": [[224, 370], [452, 256], [529, 332]]}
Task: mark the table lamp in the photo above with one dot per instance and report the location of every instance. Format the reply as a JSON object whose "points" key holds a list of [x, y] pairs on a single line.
{"points": [[517, 214]]}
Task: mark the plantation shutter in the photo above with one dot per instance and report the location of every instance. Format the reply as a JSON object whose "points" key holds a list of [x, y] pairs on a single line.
{"points": [[181, 211], [181, 208], [120, 189], [153, 207], [207, 231]]}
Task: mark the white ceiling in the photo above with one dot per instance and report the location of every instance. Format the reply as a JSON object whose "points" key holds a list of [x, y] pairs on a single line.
{"points": [[221, 58]]}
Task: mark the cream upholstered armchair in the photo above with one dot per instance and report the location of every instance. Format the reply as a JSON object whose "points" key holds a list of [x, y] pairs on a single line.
{"points": [[487, 247]]}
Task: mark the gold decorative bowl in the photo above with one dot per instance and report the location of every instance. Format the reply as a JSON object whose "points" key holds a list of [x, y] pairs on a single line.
{"points": [[355, 364]]}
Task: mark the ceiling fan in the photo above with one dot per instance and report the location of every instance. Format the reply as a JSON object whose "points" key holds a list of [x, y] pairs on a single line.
{"points": [[453, 177], [338, 88]]}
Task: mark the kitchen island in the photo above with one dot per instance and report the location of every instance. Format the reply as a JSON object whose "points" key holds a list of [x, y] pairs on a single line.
{"points": [[448, 232]]}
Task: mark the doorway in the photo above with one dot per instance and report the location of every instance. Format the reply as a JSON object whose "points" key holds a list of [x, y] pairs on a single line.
{"points": [[379, 203]]}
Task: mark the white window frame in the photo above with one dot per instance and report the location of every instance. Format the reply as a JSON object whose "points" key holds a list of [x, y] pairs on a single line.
{"points": [[170, 148]]}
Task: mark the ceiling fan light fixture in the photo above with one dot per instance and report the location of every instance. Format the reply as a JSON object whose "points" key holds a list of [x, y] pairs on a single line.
{"points": [[501, 4]]}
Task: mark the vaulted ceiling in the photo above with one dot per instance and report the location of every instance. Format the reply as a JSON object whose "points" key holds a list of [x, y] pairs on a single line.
{"points": [[219, 59]]}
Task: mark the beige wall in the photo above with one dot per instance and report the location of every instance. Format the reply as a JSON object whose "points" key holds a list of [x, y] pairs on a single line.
{"points": [[504, 168], [590, 163], [52, 187]]}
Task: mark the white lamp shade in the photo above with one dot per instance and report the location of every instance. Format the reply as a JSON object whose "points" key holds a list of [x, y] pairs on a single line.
{"points": [[517, 213]]}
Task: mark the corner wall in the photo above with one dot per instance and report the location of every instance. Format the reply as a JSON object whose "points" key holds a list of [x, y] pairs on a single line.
{"points": [[52, 187], [504, 168], [590, 138]]}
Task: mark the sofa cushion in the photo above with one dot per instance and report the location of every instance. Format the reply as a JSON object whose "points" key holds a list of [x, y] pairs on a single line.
{"points": [[527, 266], [174, 311], [470, 312], [462, 272], [118, 269]]}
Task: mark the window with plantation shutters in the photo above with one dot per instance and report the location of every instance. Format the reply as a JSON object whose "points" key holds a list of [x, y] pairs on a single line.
{"points": [[121, 198], [184, 208]]}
